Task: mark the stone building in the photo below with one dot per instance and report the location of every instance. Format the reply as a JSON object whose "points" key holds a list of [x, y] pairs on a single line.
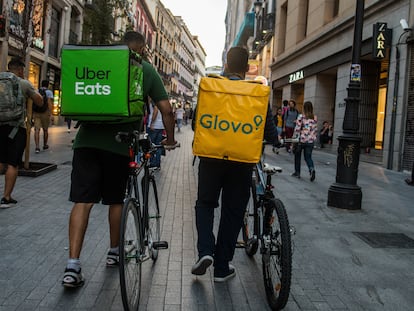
{"points": [[311, 60]]}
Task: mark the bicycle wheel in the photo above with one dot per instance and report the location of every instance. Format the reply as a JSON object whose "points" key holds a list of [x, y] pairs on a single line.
{"points": [[152, 206], [129, 256], [277, 260], [250, 225]]}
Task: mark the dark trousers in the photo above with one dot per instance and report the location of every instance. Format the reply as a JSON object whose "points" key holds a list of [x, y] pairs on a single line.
{"points": [[156, 138], [233, 180], [307, 154], [289, 134]]}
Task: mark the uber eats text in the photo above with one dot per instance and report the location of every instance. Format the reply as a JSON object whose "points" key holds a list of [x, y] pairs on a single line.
{"points": [[214, 122], [84, 88]]}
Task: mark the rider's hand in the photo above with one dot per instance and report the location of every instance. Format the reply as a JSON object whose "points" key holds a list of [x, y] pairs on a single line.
{"points": [[170, 145]]}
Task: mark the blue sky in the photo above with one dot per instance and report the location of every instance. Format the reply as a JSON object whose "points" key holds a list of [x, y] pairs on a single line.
{"points": [[205, 19]]}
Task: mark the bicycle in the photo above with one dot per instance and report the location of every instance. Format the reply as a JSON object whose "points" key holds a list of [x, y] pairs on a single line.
{"points": [[140, 224], [266, 223]]}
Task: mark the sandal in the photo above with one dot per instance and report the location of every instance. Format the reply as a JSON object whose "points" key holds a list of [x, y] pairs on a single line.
{"points": [[112, 260], [72, 278]]}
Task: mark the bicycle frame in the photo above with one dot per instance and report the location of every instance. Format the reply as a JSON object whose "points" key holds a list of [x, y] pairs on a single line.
{"points": [[272, 231], [264, 192], [140, 150]]}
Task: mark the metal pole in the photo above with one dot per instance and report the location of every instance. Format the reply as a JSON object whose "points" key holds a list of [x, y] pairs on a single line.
{"points": [[394, 108], [345, 193]]}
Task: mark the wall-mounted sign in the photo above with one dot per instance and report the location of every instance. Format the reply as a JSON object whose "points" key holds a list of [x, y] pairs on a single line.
{"points": [[379, 39], [298, 75]]}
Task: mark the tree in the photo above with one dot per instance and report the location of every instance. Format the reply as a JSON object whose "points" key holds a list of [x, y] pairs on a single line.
{"points": [[99, 21]]}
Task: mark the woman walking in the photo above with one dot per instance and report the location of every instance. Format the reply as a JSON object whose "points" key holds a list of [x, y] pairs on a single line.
{"points": [[306, 130]]}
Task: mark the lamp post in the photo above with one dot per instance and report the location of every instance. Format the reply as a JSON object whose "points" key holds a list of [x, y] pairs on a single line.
{"points": [[257, 6], [406, 30], [345, 193]]}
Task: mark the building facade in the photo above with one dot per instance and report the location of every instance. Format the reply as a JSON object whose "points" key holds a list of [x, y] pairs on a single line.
{"points": [[313, 62], [199, 65], [55, 23], [250, 24], [310, 59], [176, 54]]}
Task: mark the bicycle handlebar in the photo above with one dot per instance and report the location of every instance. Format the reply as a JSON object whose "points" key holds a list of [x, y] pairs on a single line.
{"points": [[131, 137]]}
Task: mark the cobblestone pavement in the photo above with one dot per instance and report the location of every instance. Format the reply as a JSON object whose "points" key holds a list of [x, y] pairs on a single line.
{"points": [[334, 269]]}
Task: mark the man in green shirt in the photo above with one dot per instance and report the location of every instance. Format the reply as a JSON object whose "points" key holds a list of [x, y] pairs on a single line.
{"points": [[100, 168]]}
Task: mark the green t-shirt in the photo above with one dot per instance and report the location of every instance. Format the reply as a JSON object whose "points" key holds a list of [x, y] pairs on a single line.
{"points": [[102, 135]]}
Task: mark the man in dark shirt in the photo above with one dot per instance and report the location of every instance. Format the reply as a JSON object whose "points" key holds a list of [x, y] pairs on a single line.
{"points": [[231, 179]]}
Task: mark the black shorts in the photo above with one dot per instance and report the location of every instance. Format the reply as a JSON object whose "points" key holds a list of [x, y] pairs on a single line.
{"points": [[11, 150], [98, 175]]}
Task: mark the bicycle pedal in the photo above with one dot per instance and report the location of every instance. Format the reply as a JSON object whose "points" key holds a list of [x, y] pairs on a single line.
{"points": [[240, 244], [160, 245]]}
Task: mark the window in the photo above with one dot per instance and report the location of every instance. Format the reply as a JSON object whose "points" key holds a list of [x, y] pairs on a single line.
{"points": [[54, 33], [281, 38], [331, 10], [335, 8], [302, 19]]}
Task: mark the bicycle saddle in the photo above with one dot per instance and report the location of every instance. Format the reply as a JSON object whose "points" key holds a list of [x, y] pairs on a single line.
{"points": [[270, 169]]}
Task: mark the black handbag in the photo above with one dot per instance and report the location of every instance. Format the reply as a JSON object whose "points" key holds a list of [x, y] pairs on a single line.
{"points": [[296, 148]]}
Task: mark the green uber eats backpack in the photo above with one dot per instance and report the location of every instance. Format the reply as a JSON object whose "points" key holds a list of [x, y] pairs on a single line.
{"points": [[12, 106], [102, 84]]}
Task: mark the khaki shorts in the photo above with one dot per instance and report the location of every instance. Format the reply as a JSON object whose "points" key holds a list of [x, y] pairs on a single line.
{"points": [[41, 120]]}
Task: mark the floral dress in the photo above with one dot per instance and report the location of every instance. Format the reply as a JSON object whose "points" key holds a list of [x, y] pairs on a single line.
{"points": [[306, 129]]}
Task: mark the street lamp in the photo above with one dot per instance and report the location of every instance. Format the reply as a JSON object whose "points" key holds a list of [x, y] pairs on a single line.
{"points": [[345, 193], [406, 30], [257, 7]]}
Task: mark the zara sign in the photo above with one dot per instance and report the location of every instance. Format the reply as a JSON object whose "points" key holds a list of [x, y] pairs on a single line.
{"points": [[380, 39], [298, 75]]}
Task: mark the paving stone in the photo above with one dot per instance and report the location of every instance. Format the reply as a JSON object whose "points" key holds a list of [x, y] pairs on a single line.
{"points": [[328, 261]]}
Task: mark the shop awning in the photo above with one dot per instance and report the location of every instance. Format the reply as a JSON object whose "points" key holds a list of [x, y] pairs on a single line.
{"points": [[246, 30]]}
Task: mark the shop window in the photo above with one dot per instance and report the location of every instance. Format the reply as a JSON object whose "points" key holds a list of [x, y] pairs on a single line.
{"points": [[34, 74]]}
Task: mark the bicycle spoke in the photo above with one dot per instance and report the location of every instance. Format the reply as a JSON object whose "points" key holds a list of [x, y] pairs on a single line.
{"points": [[277, 260], [152, 206], [130, 261]]}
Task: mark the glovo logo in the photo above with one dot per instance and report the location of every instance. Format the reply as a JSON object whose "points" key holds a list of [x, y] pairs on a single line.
{"points": [[214, 122]]}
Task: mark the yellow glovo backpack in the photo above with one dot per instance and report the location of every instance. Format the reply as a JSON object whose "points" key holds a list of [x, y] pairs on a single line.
{"points": [[230, 119]]}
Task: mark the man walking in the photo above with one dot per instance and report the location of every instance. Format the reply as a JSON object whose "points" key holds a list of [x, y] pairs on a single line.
{"points": [[13, 131], [41, 116], [100, 169], [230, 179]]}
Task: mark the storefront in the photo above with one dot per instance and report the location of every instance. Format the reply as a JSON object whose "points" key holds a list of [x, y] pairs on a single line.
{"points": [[325, 83]]}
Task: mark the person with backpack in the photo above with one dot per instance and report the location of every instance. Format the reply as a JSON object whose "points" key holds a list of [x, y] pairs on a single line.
{"points": [[100, 168], [231, 179], [14, 92], [41, 116], [289, 122]]}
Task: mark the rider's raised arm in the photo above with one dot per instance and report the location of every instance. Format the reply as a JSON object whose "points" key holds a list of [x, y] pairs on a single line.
{"points": [[270, 132], [168, 119]]}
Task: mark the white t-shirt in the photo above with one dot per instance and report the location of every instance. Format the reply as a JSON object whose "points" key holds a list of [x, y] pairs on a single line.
{"points": [[158, 125], [179, 113]]}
